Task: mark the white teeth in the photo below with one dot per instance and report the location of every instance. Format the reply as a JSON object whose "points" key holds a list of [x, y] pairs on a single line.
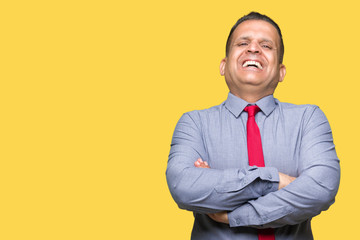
{"points": [[257, 64]]}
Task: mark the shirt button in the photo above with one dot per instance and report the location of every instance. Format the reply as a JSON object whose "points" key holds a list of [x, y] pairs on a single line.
{"points": [[237, 221], [270, 177]]}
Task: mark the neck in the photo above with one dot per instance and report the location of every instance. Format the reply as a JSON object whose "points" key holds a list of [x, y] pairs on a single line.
{"points": [[251, 97]]}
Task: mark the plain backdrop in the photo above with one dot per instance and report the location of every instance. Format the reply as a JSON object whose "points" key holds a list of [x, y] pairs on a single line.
{"points": [[91, 92]]}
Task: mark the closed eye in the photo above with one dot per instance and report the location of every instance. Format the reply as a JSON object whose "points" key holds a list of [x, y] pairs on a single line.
{"points": [[266, 46], [242, 44]]}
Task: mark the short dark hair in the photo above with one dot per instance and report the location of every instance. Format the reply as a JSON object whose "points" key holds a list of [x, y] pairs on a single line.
{"points": [[256, 16]]}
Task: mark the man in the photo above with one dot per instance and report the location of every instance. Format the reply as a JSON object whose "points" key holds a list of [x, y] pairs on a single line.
{"points": [[211, 169]]}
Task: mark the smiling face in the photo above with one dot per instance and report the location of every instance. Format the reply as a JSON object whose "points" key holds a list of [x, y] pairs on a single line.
{"points": [[252, 68]]}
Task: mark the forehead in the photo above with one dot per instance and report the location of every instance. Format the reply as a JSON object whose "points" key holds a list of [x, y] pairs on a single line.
{"points": [[256, 29]]}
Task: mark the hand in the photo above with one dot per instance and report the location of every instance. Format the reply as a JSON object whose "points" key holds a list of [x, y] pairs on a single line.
{"points": [[285, 180], [221, 217], [201, 164]]}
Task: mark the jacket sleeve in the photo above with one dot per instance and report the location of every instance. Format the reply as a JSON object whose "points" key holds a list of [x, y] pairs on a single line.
{"points": [[210, 190], [312, 192]]}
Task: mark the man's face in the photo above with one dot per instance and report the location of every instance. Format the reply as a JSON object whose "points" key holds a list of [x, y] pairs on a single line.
{"points": [[252, 64]]}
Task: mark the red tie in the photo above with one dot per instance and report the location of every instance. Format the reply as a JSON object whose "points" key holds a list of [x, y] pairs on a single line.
{"points": [[256, 157]]}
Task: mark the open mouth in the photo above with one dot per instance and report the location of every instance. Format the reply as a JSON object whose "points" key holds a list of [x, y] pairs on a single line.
{"points": [[252, 64]]}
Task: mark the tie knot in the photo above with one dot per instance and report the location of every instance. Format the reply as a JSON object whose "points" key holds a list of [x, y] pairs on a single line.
{"points": [[252, 110]]}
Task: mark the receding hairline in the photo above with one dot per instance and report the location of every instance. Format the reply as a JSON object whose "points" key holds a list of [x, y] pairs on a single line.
{"points": [[256, 17], [246, 37]]}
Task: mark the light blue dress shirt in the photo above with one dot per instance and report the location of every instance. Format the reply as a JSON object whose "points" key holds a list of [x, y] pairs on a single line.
{"points": [[296, 139]]}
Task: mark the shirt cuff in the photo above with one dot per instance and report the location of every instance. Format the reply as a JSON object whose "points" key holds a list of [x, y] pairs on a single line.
{"points": [[271, 179]]}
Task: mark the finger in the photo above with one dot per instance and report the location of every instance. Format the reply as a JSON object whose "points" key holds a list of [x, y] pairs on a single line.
{"points": [[200, 165]]}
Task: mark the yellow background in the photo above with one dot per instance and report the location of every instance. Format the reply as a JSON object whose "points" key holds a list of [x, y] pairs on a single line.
{"points": [[91, 91]]}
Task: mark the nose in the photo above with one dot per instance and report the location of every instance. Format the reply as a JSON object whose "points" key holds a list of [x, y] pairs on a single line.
{"points": [[254, 47]]}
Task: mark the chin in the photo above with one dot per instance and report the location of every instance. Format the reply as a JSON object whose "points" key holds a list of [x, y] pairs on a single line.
{"points": [[248, 77], [253, 81]]}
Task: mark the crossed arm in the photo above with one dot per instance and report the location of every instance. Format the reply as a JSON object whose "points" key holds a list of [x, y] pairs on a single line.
{"points": [[248, 197], [222, 217]]}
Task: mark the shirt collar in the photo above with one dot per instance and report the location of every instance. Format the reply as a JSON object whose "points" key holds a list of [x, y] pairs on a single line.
{"points": [[236, 105]]}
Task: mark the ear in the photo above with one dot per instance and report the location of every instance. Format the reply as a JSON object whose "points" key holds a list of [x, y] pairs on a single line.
{"points": [[282, 72], [222, 66]]}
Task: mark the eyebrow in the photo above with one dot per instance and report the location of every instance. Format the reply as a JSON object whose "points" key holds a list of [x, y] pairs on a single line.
{"points": [[249, 38], [267, 40]]}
